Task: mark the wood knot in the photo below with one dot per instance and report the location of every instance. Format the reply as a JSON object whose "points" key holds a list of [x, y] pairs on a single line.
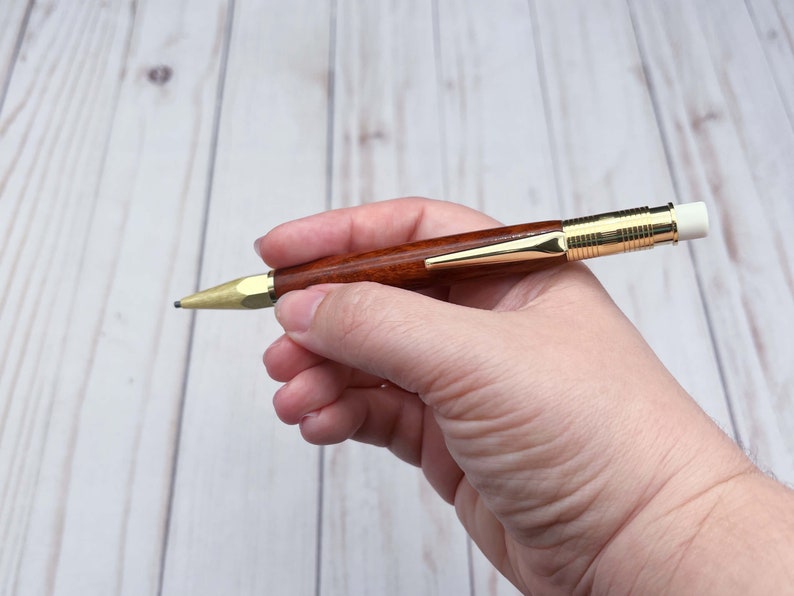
{"points": [[160, 74], [366, 137], [701, 120]]}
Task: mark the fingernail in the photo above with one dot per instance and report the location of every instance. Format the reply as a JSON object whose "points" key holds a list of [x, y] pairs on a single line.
{"points": [[307, 418], [295, 310], [256, 246]]}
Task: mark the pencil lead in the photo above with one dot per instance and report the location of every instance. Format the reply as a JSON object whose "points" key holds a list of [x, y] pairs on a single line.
{"points": [[177, 304]]}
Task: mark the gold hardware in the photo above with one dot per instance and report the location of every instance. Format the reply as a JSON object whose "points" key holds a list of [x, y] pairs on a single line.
{"points": [[541, 246], [581, 238], [620, 231], [257, 291]]}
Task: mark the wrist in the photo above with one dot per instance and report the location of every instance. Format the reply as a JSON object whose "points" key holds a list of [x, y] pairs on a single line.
{"points": [[736, 536]]}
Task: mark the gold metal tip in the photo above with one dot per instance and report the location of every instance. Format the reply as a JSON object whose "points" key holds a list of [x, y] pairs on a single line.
{"points": [[620, 231], [246, 293]]}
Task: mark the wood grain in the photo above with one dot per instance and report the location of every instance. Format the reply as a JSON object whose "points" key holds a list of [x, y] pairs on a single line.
{"points": [[404, 266]]}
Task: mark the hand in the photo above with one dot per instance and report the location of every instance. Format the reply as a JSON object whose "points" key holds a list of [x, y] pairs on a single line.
{"points": [[573, 458]]}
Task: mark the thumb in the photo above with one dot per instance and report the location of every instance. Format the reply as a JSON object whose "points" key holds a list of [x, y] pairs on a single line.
{"points": [[412, 340]]}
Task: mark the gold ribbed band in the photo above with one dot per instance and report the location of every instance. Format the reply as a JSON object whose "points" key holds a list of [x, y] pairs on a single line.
{"points": [[619, 231]]}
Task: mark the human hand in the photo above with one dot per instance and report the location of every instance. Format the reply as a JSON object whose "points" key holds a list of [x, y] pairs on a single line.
{"points": [[531, 403]]}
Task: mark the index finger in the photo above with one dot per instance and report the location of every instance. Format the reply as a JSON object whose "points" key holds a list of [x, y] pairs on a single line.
{"points": [[367, 227]]}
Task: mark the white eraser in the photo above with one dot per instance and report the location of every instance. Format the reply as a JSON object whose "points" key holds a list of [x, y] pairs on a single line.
{"points": [[692, 220]]}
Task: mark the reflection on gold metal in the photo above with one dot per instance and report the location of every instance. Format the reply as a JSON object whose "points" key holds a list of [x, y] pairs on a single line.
{"points": [[620, 231], [547, 244], [257, 291], [581, 238]]}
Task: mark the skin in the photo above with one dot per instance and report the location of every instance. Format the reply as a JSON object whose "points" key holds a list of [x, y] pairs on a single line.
{"points": [[572, 457]]}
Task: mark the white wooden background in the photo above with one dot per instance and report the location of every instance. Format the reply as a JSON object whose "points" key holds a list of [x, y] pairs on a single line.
{"points": [[144, 145]]}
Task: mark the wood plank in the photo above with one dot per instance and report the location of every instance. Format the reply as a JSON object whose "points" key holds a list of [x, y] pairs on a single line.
{"points": [[384, 530], [41, 212], [12, 28], [774, 23], [496, 144], [103, 186], [610, 155], [244, 518], [731, 143]]}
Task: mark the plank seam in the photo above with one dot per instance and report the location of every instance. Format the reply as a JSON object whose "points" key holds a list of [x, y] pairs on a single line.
{"points": [[212, 160], [544, 93], [329, 172], [442, 126], [772, 71], [442, 132], [665, 140], [23, 27]]}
